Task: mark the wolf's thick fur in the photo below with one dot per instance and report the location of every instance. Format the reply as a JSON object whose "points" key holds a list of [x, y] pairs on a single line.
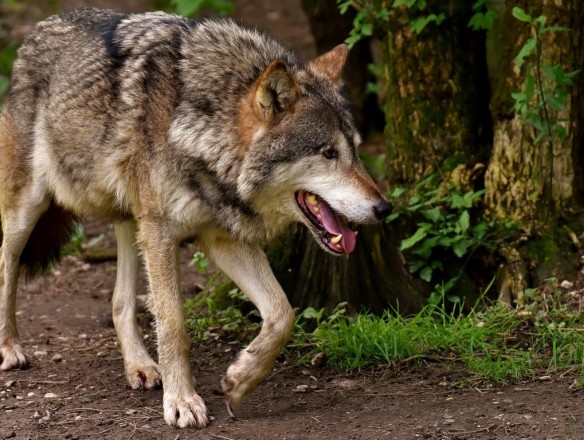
{"points": [[171, 128]]}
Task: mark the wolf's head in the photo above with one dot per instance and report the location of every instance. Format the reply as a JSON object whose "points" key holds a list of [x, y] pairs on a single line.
{"points": [[300, 152]]}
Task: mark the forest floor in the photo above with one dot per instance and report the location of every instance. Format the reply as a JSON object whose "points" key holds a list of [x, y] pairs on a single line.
{"points": [[75, 388]]}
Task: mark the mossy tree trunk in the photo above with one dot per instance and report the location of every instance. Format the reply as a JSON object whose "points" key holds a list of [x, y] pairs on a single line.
{"points": [[529, 182], [436, 91], [539, 186]]}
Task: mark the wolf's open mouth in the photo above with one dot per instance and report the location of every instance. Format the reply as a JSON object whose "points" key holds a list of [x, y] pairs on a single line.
{"points": [[330, 226]]}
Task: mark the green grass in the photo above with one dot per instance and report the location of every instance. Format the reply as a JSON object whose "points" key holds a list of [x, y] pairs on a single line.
{"points": [[498, 344], [543, 334]]}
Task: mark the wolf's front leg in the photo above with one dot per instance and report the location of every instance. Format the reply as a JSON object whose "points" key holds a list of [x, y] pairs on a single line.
{"points": [[182, 405], [248, 267]]}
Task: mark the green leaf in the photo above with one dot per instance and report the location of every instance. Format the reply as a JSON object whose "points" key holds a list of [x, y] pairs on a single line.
{"points": [[420, 23], [426, 273], [460, 247], [433, 214], [408, 3], [409, 242], [554, 29], [464, 221], [480, 230], [521, 15], [344, 6], [525, 51], [392, 217], [366, 29], [482, 21], [396, 192], [424, 250], [416, 265]]}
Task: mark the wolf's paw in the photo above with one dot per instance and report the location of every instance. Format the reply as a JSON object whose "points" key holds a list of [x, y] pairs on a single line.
{"points": [[143, 377], [12, 356], [242, 376], [185, 412]]}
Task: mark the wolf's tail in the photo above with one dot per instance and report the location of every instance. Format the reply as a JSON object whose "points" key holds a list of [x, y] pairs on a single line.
{"points": [[43, 249]]}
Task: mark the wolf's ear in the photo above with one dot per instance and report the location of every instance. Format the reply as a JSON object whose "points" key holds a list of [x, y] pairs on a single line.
{"points": [[276, 91], [331, 64]]}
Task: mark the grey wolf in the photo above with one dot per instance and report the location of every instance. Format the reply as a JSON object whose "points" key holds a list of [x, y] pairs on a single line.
{"points": [[171, 128]]}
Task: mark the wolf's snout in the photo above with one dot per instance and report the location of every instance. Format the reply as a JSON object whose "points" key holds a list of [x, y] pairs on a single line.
{"points": [[382, 210]]}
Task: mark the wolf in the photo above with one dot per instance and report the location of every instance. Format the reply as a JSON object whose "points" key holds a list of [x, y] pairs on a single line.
{"points": [[171, 128]]}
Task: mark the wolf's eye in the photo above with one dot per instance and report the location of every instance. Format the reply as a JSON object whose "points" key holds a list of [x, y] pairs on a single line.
{"points": [[330, 153]]}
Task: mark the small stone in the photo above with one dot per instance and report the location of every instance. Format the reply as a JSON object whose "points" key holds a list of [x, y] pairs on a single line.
{"points": [[19, 397], [131, 411], [82, 336], [101, 354], [77, 417], [57, 358], [317, 360], [448, 421], [566, 285], [30, 394], [301, 389], [50, 396], [9, 383], [544, 378], [36, 415], [40, 353]]}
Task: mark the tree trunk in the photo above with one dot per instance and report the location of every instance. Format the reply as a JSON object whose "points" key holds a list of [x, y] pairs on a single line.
{"points": [[529, 182], [436, 91], [373, 277], [329, 28]]}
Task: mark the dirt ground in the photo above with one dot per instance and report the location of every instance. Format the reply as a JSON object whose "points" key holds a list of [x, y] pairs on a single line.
{"points": [[75, 388]]}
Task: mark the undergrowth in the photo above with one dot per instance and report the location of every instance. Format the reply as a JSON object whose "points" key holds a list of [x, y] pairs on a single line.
{"points": [[545, 333]]}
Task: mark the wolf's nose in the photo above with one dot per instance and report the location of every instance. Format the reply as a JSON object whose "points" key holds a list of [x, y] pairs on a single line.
{"points": [[382, 210]]}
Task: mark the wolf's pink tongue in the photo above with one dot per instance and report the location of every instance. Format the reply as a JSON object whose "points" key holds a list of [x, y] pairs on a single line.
{"points": [[333, 224]]}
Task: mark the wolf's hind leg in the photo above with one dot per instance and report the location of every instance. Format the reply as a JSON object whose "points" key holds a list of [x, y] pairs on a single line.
{"points": [[248, 267], [18, 222], [141, 370]]}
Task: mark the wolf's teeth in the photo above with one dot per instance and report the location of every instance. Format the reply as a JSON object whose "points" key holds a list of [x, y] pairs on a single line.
{"points": [[316, 209], [356, 233], [338, 246], [311, 198], [337, 239]]}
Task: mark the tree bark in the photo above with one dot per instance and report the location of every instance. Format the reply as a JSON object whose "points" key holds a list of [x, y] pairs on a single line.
{"points": [[522, 183], [329, 28], [436, 91]]}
